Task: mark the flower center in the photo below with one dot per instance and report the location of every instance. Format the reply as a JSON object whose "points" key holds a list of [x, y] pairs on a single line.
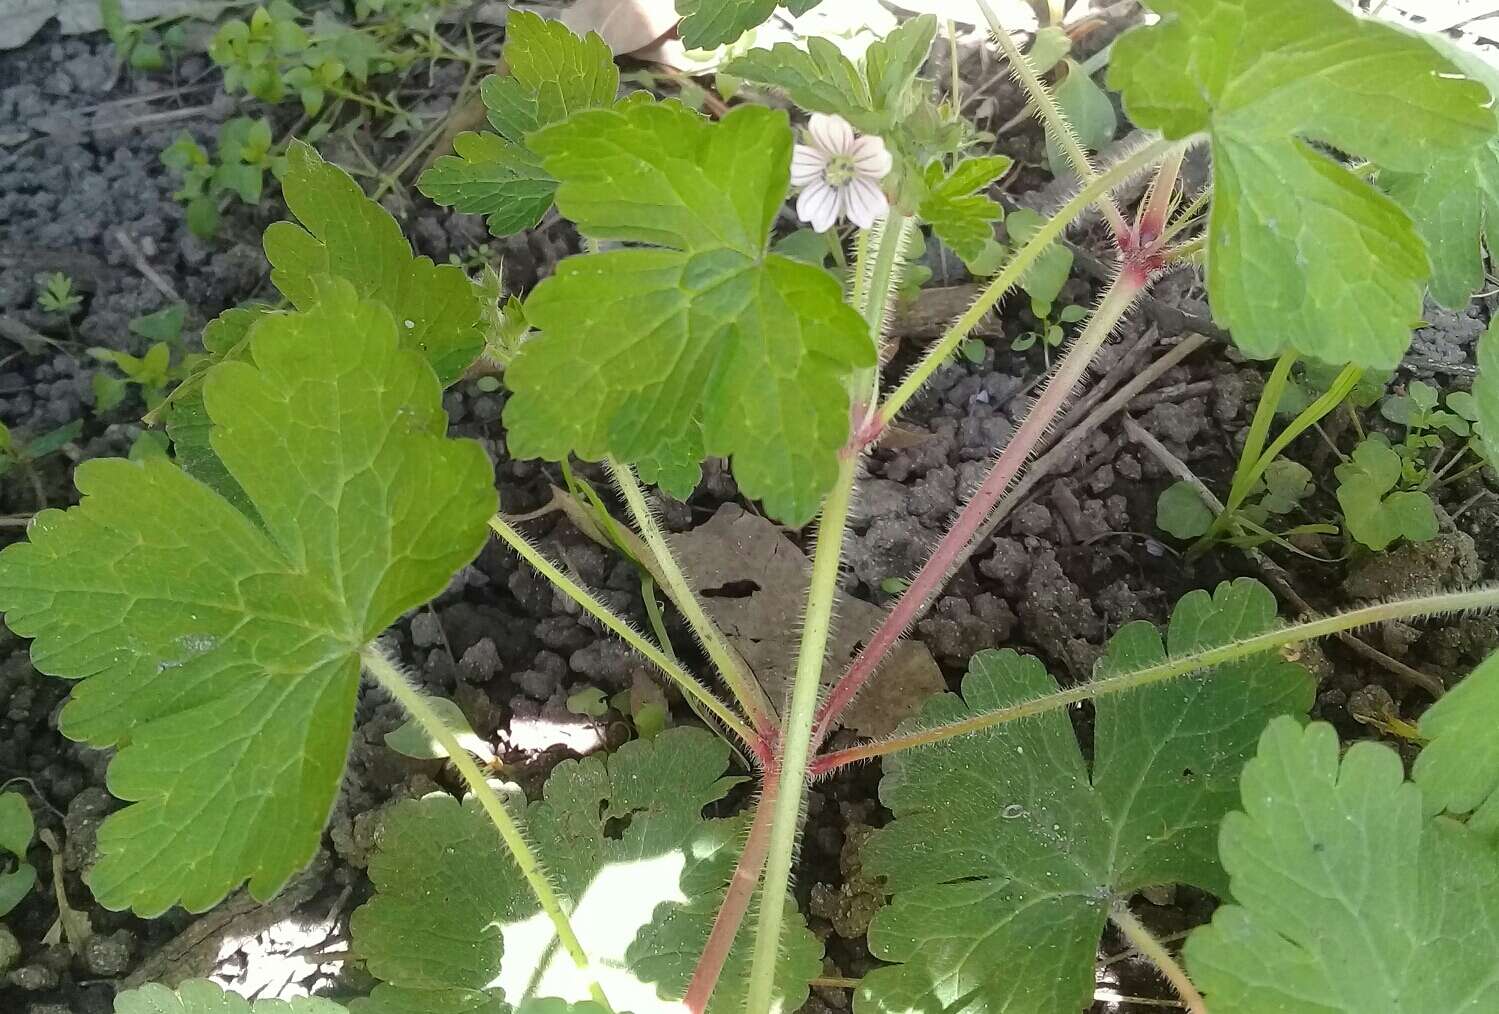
{"points": [[840, 171]]}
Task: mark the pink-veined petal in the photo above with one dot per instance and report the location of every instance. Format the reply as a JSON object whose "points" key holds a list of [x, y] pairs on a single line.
{"points": [[871, 159], [818, 206], [831, 133], [807, 164], [864, 202]]}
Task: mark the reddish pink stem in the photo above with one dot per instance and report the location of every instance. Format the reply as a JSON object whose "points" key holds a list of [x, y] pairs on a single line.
{"points": [[735, 902], [935, 572]]}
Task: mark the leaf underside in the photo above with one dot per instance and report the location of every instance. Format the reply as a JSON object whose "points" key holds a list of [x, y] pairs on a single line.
{"points": [[1346, 900], [625, 842], [706, 24], [199, 996], [219, 653], [1006, 850], [704, 344], [1302, 253]]}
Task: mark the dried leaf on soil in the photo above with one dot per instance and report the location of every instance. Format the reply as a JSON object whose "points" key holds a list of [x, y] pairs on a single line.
{"points": [[754, 584]]}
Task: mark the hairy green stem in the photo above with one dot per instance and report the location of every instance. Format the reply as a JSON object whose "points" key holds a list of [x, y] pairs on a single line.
{"points": [[683, 679], [1058, 127], [934, 573], [1400, 609], [880, 268], [746, 689], [796, 739], [1142, 940], [1016, 267], [390, 677]]}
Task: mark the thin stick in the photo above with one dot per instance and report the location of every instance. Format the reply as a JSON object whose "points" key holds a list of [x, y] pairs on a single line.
{"points": [[1485, 598], [731, 667], [142, 265], [1271, 570], [416, 703], [684, 680], [1135, 932]]}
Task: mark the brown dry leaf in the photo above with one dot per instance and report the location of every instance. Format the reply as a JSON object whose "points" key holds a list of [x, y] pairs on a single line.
{"points": [[626, 25], [753, 582]]}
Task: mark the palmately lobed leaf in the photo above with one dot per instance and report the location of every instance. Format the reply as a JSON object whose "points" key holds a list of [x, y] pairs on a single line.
{"points": [[1007, 849], [1303, 253], [220, 653], [709, 346], [1458, 768], [1345, 899], [346, 235], [452, 926], [957, 207], [552, 74]]}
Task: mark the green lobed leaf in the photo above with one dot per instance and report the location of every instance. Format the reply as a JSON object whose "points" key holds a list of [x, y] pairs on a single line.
{"points": [[1344, 898], [1007, 850], [820, 79], [221, 653], [1303, 253], [707, 24], [713, 346], [552, 74], [956, 207], [199, 996], [1458, 769], [346, 235], [1375, 513], [1455, 200], [623, 838]]}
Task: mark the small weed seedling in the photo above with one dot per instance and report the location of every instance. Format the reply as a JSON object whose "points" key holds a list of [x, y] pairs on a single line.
{"points": [[220, 610], [55, 295], [17, 829]]}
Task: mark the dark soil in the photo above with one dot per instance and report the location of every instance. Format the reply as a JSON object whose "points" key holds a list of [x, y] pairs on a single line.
{"points": [[1080, 558]]}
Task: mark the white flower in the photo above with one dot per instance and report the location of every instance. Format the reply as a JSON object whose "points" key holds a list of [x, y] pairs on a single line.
{"points": [[839, 173]]}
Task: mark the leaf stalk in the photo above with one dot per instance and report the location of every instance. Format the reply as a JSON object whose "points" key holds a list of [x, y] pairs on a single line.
{"points": [[390, 677]]}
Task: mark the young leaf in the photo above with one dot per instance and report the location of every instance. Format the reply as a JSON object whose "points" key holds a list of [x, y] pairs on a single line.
{"points": [[1046, 277], [553, 74], [1486, 391], [707, 24], [452, 926], [1090, 111], [1006, 850], [17, 827], [1345, 899], [413, 740], [1179, 511], [711, 346], [1376, 514], [1303, 253], [820, 79], [221, 654], [347, 235], [199, 996], [1455, 200], [956, 207], [1458, 770]]}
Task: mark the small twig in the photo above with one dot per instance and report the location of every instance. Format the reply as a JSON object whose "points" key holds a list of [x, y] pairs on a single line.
{"points": [[138, 259], [1273, 572]]}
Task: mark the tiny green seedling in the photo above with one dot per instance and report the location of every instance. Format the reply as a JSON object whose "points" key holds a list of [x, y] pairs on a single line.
{"points": [[55, 295], [149, 45], [1379, 507], [244, 154]]}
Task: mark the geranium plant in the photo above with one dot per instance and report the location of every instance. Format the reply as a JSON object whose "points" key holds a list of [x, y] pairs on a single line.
{"points": [[219, 610]]}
